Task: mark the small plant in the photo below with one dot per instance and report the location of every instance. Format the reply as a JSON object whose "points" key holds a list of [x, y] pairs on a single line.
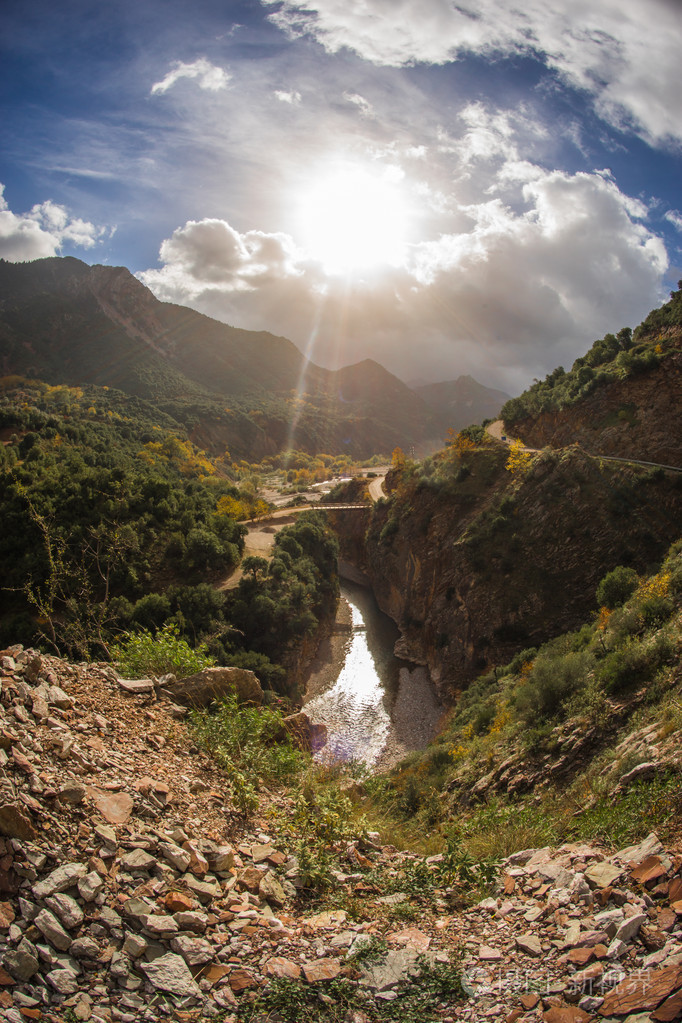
{"points": [[460, 869], [371, 951], [159, 653], [314, 868], [248, 739]]}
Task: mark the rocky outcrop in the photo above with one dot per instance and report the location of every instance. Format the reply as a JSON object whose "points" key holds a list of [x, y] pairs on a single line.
{"points": [[212, 684]]}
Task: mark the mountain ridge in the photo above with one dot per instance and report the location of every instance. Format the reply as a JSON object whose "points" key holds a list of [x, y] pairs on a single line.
{"points": [[68, 322]]}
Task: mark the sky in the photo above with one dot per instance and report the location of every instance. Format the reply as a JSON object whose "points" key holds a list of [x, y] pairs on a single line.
{"points": [[445, 186]]}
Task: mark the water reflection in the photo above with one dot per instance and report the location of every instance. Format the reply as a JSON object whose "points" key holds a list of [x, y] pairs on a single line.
{"points": [[376, 707]]}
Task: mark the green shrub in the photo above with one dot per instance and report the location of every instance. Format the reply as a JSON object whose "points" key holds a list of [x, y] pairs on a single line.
{"points": [[635, 663], [551, 681], [160, 653], [616, 587], [248, 740]]}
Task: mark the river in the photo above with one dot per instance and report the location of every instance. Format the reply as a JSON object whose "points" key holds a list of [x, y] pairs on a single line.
{"points": [[375, 706]]}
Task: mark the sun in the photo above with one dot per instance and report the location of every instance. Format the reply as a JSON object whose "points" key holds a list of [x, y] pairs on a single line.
{"points": [[353, 219]]}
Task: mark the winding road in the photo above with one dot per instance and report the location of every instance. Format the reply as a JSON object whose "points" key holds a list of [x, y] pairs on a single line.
{"points": [[496, 431]]}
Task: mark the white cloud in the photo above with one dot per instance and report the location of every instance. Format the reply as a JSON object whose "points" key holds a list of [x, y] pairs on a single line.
{"points": [[509, 295], [293, 98], [363, 105], [207, 75], [210, 254], [42, 231], [623, 52], [674, 217]]}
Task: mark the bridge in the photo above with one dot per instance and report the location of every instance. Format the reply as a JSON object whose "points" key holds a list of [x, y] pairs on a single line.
{"points": [[282, 513]]}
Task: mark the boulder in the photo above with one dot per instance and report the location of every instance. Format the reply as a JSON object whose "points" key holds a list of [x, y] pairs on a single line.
{"points": [[213, 684]]}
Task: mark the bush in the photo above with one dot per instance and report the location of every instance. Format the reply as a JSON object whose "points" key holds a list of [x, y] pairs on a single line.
{"points": [[616, 587], [250, 740], [635, 663], [551, 681], [161, 653]]}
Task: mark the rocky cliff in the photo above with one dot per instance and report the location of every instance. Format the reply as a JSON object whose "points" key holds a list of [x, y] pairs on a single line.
{"points": [[474, 563], [638, 417]]}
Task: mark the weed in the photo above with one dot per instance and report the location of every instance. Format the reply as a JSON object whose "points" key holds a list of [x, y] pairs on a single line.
{"points": [[159, 653], [462, 870], [250, 744], [417, 999]]}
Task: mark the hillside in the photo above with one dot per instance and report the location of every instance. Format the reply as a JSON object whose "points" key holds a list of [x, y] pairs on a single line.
{"points": [[474, 562], [134, 887], [622, 398], [64, 322], [161, 863]]}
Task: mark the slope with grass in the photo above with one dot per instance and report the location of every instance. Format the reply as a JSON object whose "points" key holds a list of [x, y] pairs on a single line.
{"points": [[576, 739]]}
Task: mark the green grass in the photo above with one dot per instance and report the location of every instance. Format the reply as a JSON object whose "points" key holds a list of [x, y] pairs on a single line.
{"points": [[423, 998]]}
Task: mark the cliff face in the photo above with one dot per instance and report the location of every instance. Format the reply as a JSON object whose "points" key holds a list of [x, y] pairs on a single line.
{"points": [[474, 564], [634, 418]]}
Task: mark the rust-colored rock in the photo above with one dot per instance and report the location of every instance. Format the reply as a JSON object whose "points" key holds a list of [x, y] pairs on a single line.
{"points": [[278, 966], [670, 1010], [649, 870], [115, 807], [240, 980], [321, 969], [638, 993], [7, 915], [16, 823], [178, 902], [565, 1014]]}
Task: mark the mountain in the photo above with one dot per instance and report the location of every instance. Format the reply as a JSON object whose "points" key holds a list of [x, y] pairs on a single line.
{"points": [[463, 401], [63, 321]]}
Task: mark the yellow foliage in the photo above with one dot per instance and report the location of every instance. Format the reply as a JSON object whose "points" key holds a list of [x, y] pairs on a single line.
{"points": [[502, 718], [458, 752], [231, 507], [398, 459], [603, 619], [518, 462], [656, 586], [459, 442]]}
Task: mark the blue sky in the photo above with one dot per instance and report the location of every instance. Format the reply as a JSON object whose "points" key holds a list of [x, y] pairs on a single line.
{"points": [[445, 187]]}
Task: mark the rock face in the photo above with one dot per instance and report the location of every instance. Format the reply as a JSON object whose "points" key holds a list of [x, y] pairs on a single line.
{"points": [[633, 418], [202, 689], [306, 735], [474, 569]]}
